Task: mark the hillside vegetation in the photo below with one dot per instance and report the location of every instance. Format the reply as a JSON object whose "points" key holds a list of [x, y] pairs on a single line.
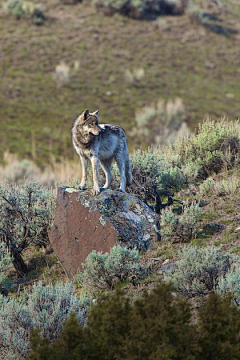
{"points": [[158, 79], [198, 253], [79, 58]]}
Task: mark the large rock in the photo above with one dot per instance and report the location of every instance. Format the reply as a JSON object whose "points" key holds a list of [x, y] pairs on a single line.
{"points": [[84, 223]]}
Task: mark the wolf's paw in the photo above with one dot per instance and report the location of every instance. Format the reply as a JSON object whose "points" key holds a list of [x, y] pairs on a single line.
{"points": [[95, 191]]}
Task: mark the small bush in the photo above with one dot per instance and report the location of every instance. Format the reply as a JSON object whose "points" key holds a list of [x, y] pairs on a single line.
{"points": [[207, 187], [142, 9], [231, 283], [104, 271], [5, 261], [134, 76], [180, 228], [26, 213], [215, 145], [25, 9], [46, 308], [200, 270], [220, 187], [161, 123], [62, 74], [153, 178]]}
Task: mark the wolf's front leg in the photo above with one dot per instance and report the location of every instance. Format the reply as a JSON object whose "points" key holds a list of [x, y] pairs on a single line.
{"points": [[84, 165], [95, 166]]}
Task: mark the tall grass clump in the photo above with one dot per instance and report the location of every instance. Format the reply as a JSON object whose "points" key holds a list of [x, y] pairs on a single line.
{"points": [[26, 214], [214, 146], [220, 187], [161, 123], [199, 270], [46, 308], [180, 228], [105, 271]]}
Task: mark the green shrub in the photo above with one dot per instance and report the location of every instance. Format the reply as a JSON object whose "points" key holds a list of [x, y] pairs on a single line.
{"points": [[26, 213], [180, 228], [70, 344], [142, 9], [25, 9], [156, 326], [5, 261], [218, 328], [45, 307], [220, 187], [199, 270], [213, 146], [104, 271], [230, 283], [207, 187], [154, 179]]}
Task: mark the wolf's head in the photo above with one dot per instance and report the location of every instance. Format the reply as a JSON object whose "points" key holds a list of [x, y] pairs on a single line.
{"points": [[89, 121]]}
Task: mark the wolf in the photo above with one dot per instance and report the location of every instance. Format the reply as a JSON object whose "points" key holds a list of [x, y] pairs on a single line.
{"points": [[101, 143]]}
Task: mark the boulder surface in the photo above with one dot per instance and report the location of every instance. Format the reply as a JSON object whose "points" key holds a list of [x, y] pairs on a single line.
{"points": [[83, 223]]}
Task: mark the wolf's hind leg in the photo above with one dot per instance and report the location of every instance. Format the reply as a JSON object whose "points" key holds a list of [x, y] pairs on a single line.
{"points": [[106, 166], [121, 165]]}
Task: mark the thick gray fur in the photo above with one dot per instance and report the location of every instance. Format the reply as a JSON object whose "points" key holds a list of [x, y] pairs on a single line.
{"points": [[101, 143]]}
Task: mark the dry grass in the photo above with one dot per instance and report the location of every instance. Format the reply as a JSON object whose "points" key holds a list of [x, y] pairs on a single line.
{"points": [[57, 173], [180, 59]]}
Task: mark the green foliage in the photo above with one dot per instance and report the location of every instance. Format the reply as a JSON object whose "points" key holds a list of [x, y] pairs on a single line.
{"points": [[141, 9], [230, 283], [199, 270], [26, 213], [207, 187], [218, 328], [5, 261], [68, 346], [180, 228], [25, 9], [160, 327], [157, 326], [45, 307], [155, 179], [104, 271], [215, 144]]}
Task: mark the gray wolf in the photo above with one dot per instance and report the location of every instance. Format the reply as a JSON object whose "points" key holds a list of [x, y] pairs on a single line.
{"points": [[101, 143]]}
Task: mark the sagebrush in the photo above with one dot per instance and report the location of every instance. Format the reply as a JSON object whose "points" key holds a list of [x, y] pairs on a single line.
{"points": [[104, 271], [44, 307], [199, 270], [26, 214]]}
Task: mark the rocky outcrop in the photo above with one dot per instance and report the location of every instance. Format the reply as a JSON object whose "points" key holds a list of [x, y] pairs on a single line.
{"points": [[84, 223]]}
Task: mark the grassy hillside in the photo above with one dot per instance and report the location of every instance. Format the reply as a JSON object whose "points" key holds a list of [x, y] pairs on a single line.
{"points": [[179, 56]]}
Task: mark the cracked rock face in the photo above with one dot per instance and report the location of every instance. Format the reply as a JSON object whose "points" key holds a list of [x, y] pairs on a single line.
{"points": [[84, 223]]}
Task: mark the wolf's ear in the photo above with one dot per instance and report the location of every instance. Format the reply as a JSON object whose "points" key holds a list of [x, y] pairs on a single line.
{"points": [[95, 113], [84, 116]]}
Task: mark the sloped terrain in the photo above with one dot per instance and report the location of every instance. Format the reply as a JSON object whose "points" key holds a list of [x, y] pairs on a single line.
{"points": [[179, 56]]}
